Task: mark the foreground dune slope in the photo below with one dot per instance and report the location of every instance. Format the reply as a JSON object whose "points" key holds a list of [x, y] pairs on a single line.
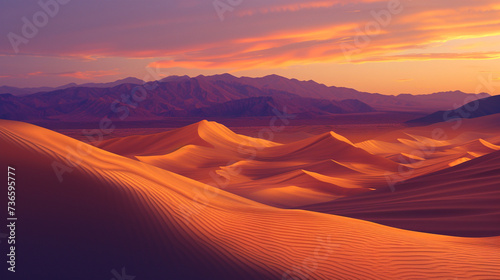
{"points": [[111, 212]]}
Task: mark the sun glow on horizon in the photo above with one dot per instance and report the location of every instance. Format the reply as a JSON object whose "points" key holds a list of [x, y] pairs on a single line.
{"points": [[390, 47]]}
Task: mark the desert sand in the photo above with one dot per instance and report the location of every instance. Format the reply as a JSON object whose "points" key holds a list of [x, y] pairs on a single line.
{"points": [[120, 205]]}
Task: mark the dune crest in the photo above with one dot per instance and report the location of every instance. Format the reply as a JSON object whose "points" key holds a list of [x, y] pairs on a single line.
{"points": [[203, 133], [211, 153]]}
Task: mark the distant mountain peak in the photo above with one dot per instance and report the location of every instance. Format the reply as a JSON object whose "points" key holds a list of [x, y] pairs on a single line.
{"points": [[482, 107], [129, 80], [174, 78]]}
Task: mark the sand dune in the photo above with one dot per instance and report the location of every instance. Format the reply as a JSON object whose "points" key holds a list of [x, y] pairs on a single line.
{"points": [[280, 174], [436, 147], [204, 133], [260, 170], [477, 148], [459, 161], [489, 145], [407, 158], [328, 146], [462, 200], [113, 212], [378, 147], [196, 162], [289, 189], [292, 185], [211, 153]]}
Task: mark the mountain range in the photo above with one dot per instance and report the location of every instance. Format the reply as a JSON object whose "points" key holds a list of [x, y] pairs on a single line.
{"points": [[210, 96], [471, 110], [27, 91]]}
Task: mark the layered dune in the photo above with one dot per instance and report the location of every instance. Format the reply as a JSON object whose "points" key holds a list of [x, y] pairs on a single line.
{"points": [[111, 211], [284, 175], [313, 170], [462, 200], [296, 188], [436, 147]]}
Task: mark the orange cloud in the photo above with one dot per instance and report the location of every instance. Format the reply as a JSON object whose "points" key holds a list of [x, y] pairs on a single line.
{"points": [[420, 32], [404, 80], [89, 75], [83, 75], [417, 31], [436, 56]]}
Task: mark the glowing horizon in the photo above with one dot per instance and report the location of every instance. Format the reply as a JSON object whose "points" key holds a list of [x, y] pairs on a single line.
{"points": [[389, 47]]}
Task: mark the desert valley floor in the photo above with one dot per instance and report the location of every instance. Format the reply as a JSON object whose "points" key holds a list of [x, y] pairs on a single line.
{"points": [[205, 202]]}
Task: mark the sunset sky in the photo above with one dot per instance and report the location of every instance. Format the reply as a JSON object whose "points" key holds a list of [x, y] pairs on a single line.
{"points": [[390, 46]]}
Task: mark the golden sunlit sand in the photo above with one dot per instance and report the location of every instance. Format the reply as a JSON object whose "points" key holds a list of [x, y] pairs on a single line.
{"points": [[217, 232], [259, 140]]}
